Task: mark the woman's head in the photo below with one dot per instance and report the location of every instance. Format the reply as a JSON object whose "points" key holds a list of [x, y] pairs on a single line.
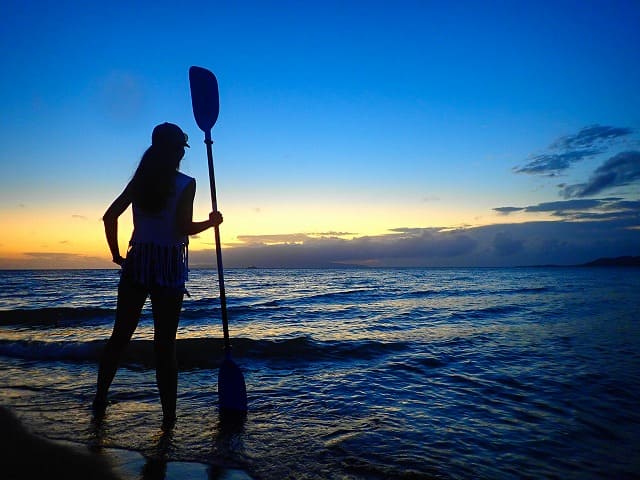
{"points": [[169, 135], [153, 181]]}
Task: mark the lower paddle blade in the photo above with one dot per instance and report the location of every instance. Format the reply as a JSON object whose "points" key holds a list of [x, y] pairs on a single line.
{"points": [[232, 391], [204, 97]]}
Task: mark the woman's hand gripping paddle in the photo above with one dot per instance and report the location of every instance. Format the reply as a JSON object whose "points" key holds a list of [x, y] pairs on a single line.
{"points": [[232, 391]]}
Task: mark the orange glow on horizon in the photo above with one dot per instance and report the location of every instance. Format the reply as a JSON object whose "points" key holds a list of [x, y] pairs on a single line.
{"points": [[56, 238]]}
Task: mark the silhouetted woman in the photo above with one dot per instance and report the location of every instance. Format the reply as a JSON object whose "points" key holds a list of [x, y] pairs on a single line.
{"points": [[156, 262]]}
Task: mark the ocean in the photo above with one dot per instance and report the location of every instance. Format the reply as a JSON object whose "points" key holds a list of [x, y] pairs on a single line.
{"points": [[350, 373]]}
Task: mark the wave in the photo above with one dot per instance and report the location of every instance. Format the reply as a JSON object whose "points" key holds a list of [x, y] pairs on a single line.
{"points": [[426, 293], [54, 316], [526, 290], [491, 312], [205, 352], [358, 292], [469, 292], [67, 316]]}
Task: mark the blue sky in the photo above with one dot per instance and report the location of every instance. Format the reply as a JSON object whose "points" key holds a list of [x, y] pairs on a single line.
{"points": [[443, 133]]}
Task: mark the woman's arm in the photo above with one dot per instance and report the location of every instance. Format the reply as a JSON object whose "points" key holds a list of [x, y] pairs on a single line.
{"points": [[110, 220], [185, 213]]}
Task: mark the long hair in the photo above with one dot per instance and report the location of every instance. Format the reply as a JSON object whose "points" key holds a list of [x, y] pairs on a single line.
{"points": [[154, 180]]}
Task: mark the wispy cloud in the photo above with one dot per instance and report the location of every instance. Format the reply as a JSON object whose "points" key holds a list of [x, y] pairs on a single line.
{"points": [[274, 239], [565, 206], [508, 210], [333, 234], [611, 208], [552, 164], [414, 230], [290, 238], [620, 170], [39, 260], [55, 256], [568, 150], [590, 136]]}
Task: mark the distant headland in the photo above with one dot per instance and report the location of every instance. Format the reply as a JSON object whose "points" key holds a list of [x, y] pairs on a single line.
{"points": [[626, 261]]}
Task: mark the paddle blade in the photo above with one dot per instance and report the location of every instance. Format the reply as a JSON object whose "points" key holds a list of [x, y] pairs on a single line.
{"points": [[204, 97], [232, 391]]}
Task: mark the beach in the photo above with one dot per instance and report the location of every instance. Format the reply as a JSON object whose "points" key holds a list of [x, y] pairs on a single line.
{"points": [[26, 455], [351, 373]]}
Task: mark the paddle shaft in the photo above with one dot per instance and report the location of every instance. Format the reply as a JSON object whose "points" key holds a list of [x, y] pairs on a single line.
{"points": [[216, 229]]}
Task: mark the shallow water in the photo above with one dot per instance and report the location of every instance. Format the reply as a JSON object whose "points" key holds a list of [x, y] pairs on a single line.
{"points": [[381, 373]]}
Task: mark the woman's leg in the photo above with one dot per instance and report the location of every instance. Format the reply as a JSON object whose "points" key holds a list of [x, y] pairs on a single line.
{"points": [[166, 304], [131, 299]]}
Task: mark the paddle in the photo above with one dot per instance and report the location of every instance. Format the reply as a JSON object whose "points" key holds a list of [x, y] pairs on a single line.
{"points": [[232, 391]]}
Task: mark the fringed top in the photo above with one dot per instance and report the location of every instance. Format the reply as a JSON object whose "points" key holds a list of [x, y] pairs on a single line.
{"points": [[158, 252]]}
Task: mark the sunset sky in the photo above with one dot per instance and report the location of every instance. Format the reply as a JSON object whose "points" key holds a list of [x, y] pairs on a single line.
{"points": [[395, 133]]}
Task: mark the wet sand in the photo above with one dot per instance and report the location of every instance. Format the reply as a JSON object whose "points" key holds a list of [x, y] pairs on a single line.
{"points": [[24, 455], [130, 465]]}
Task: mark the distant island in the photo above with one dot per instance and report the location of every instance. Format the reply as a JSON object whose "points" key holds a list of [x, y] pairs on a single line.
{"points": [[627, 261], [614, 262]]}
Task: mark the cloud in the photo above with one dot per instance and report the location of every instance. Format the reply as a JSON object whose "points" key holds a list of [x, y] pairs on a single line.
{"points": [[46, 260], [531, 243], [50, 255], [505, 244], [403, 247], [606, 216], [508, 210], [568, 150], [290, 238], [79, 217], [564, 206], [610, 208], [274, 239], [589, 136], [633, 205], [430, 244], [551, 164], [620, 170], [414, 231], [332, 234]]}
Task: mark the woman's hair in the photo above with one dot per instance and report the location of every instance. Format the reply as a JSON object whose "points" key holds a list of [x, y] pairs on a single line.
{"points": [[154, 180]]}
